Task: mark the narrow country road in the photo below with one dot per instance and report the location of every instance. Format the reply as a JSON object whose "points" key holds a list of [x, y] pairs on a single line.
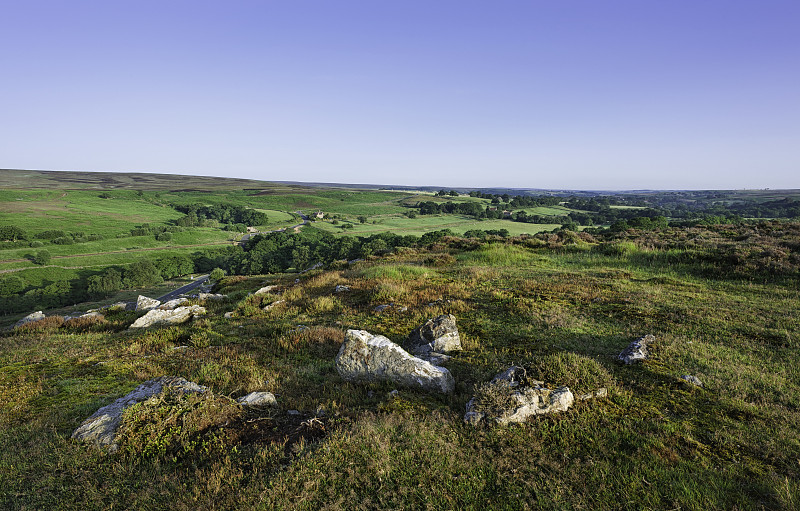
{"points": [[301, 224], [185, 289]]}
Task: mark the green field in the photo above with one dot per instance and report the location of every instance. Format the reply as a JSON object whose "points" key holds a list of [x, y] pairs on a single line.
{"points": [[400, 224]]}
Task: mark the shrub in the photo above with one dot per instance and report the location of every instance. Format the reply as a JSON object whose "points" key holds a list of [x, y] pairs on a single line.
{"points": [[43, 325], [42, 257], [579, 372], [164, 236]]}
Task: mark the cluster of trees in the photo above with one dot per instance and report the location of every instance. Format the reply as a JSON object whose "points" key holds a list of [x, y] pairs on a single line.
{"points": [[13, 235], [464, 208], [199, 214], [445, 193]]}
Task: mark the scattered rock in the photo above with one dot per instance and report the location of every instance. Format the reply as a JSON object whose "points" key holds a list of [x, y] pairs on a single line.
{"points": [[637, 350], [439, 334], [229, 315], [367, 357], [172, 304], [91, 314], [173, 317], [258, 399], [265, 289], [694, 380], [272, 305], [101, 427], [381, 308], [510, 398], [30, 318], [341, 289], [292, 412], [210, 296], [144, 303], [601, 392]]}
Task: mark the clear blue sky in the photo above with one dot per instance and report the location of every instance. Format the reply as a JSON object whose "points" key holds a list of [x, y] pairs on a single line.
{"points": [[592, 94]]}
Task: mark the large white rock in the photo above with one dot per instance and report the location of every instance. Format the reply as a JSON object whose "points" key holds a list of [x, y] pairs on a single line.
{"points": [[169, 317], [101, 428], [30, 318], [144, 303], [367, 357]]}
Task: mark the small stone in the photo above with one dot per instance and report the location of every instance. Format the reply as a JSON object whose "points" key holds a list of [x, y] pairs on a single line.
{"points": [[258, 399], [637, 350], [272, 305], [210, 296], [694, 380], [265, 289], [292, 412], [439, 334], [228, 315], [341, 289], [381, 308]]}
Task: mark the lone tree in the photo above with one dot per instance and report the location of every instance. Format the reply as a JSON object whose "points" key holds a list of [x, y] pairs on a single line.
{"points": [[42, 257], [216, 274], [362, 219]]}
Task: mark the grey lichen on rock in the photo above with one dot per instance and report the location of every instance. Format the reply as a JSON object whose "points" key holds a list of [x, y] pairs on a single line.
{"points": [[693, 380], [439, 334], [265, 289], [170, 305], [367, 357], [637, 350], [30, 318], [510, 398], [100, 429], [168, 317], [258, 399], [144, 303]]}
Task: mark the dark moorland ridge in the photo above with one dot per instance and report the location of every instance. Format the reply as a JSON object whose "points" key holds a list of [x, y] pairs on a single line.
{"points": [[699, 290]]}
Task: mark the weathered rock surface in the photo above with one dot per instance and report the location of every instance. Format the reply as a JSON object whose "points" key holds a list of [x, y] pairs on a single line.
{"points": [[210, 296], [510, 398], [367, 357], [439, 334], [637, 350], [166, 306], [144, 303], [30, 318], [381, 308], [100, 429], [694, 380], [265, 289], [258, 399], [168, 317], [341, 289]]}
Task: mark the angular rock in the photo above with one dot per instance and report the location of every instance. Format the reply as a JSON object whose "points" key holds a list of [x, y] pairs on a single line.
{"points": [[144, 303], [265, 289], [228, 315], [30, 318], [101, 428], [341, 289], [166, 306], [173, 317], [367, 357], [434, 358], [439, 334], [637, 350], [258, 399], [510, 398], [694, 380]]}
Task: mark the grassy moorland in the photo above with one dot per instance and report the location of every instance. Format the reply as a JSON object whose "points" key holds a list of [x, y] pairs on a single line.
{"points": [[722, 302]]}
